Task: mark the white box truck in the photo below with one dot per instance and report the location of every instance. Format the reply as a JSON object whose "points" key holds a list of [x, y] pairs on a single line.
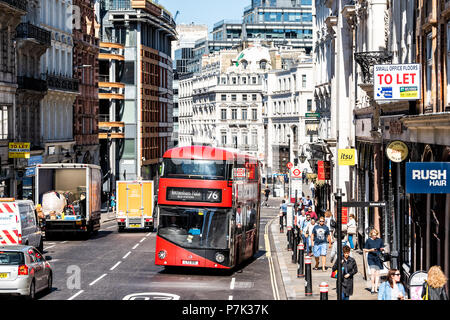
{"points": [[78, 186], [135, 204]]}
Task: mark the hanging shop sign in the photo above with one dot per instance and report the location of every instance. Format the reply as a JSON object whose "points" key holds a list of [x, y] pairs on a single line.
{"points": [[427, 177], [347, 157], [397, 82], [19, 150], [323, 170], [397, 151], [312, 127]]}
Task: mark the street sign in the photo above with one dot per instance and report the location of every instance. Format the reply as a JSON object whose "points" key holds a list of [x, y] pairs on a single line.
{"points": [[397, 151], [290, 165], [239, 173], [427, 177], [312, 115], [397, 82], [296, 173], [19, 150], [347, 157], [364, 204]]}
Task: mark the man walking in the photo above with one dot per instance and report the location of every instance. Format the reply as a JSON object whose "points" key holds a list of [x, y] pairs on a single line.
{"points": [[319, 237], [266, 194], [307, 203], [312, 188], [304, 232]]}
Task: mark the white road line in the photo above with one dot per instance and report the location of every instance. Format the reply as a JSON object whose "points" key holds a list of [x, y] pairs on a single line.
{"points": [[232, 283], [142, 239], [98, 279], [126, 256], [46, 248], [64, 242], [76, 295], [136, 246], [230, 298], [115, 266], [148, 234]]}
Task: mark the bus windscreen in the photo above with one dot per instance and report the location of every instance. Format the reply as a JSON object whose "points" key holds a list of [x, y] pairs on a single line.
{"points": [[195, 227], [194, 169]]}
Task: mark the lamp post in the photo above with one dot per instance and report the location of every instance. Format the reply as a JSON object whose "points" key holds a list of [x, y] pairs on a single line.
{"points": [[289, 160], [338, 196]]}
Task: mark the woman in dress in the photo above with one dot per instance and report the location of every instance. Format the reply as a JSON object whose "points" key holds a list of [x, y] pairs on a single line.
{"points": [[374, 246]]}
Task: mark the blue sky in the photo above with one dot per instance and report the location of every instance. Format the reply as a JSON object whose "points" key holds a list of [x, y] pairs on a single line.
{"points": [[205, 11]]}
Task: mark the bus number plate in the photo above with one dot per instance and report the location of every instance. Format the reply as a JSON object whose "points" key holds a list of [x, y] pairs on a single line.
{"points": [[190, 262], [3, 275]]}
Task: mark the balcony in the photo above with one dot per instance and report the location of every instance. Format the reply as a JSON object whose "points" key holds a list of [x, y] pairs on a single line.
{"points": [[104, 121], [27, 83], [30, 31], [19, 4], [62, 83]]}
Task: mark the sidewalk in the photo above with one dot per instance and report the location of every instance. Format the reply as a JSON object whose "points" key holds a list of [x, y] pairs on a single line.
{"points": [[295, 287]]}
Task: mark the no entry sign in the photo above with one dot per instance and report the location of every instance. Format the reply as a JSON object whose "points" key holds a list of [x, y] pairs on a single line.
{"points": [[397, 82]]}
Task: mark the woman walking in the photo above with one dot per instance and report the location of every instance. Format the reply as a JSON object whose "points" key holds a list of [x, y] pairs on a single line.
{"points": [[373, 247], [349, 269], [434, 286], [392, 289], [351, 230]]}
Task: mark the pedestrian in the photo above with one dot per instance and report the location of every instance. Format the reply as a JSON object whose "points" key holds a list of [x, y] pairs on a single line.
{"points": [[392, 289], [283, 210], [305, 233], [312, 213], [434, 287], [307, 203], [333, 253], [301, 216], [113, 201], [312, 188], [351, 230], [266, 194], [349, 269], [319, 237], [374, 246]]}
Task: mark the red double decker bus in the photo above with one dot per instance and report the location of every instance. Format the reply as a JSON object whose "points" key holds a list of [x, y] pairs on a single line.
{"points": [[209, 208]]}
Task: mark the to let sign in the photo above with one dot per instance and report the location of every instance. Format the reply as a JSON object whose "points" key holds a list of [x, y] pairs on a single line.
{"points": [[19, 150], [427, 177], [397, 82]]}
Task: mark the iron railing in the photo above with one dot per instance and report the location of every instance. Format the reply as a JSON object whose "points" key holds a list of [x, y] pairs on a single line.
{"points": [[367, 60], [62, 83], [28, 30], [27, 83]]}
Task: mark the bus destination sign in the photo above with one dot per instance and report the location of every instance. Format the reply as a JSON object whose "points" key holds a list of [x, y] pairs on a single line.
{"points": [[194, 195]]}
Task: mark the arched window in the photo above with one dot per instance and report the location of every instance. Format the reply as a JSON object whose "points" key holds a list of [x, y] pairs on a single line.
{"points": [[263, 64], [244, 64]]}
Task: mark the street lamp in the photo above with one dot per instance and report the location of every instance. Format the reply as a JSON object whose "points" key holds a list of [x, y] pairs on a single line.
{"points": [[302, 157]]}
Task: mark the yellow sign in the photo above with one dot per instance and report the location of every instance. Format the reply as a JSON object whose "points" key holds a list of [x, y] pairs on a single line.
{"points": [[19, 150], [397, 151], [347, 157]]}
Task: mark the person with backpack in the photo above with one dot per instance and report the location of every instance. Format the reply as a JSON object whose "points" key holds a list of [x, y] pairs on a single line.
{"points": [[434, 287]]}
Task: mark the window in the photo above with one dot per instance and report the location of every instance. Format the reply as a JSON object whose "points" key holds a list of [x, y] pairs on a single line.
{"points": [[309, 105], [128, 74], [263, 64], [233, 97], [223, 80], [254, 138], [244, 114], [448, 63], [224, 138], [206, 169], [224, 114], [254, 81], [254, 114], [254, 97], [224, 97], [245, 138], [234, 114], [129, 149], [303, 80], [244, 97], [244, 80], [244, 64], [4, 122], [233, 80], [429, 66]]}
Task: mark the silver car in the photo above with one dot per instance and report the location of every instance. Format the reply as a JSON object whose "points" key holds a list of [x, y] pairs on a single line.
{"points": [[24, 271]]}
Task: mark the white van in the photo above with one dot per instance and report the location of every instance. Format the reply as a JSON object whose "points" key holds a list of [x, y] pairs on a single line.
{"points": [[19, 223]]}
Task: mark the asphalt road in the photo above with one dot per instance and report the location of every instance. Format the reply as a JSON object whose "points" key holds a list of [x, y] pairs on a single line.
{"points": [[116, 266]]}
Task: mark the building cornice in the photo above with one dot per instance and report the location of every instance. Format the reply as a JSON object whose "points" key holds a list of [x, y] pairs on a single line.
{"points": [[427, 121]]}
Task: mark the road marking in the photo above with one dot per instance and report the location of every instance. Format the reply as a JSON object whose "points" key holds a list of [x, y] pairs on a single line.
{"points": [[136, 246], [125, 256], [63, 242], [46, 248], [110, 227], [273, 279], [76, 295], [142, 239], [230, 298], [98, 279], [148, 234], [233, 281], [115, 266]]}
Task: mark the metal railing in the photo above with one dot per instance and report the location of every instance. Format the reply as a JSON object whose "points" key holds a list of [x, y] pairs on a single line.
{"points": [[62, 83], [367, 60], [19, 4], [27, 83], [28, 30]]}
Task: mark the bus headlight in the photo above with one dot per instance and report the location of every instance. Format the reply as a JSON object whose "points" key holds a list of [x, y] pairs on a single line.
{"points": [[162, 254], [220, 257]]}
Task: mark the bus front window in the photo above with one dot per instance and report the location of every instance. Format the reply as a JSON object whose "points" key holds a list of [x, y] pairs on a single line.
{"points": [[195, 228]]}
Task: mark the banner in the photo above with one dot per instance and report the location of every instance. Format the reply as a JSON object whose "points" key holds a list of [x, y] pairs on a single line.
{"points": [[397, 82], [19, 150], [427, 177], [347, 157]]}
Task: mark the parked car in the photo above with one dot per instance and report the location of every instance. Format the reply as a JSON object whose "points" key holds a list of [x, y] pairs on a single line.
{"points": [[24, 271], [19, 223]]}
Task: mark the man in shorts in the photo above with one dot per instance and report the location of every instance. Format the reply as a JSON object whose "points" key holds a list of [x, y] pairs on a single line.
{"points": [[319, 237]]}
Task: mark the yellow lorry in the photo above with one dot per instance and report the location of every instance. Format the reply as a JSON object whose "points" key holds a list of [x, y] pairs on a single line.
{"points": [[135, 204]]}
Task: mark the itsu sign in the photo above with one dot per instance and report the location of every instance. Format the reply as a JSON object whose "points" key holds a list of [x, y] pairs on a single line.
{"points": [[397, 82], [427, 177]]}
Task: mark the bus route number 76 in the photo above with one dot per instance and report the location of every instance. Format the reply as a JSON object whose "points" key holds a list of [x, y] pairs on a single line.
{"points": [[213, 195]]}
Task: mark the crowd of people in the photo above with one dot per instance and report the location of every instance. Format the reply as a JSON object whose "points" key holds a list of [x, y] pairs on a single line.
{"points": [[318, 234]]}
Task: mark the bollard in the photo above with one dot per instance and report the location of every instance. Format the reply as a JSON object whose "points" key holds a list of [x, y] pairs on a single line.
{"points": [[323, 291], [294, 247], [308, 278], [301, 261], [289, 237]]}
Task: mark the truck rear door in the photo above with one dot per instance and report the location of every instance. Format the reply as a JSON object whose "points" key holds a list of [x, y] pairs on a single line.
{"points": [[135, 205]]}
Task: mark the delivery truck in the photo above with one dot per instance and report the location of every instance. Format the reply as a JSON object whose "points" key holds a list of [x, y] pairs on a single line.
{"points": [[135, 204], [70, 197]]}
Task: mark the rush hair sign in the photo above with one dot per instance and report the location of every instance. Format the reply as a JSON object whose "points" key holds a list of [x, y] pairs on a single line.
{"points": [[427, 177], [397, 82]]}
